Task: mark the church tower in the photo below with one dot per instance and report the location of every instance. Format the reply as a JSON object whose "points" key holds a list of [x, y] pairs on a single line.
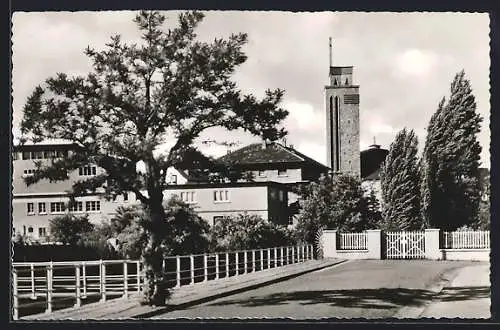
{"points": [[342, 120]]}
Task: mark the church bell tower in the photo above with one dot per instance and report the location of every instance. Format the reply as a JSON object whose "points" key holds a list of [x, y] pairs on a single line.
{"points": [[342, 120]]}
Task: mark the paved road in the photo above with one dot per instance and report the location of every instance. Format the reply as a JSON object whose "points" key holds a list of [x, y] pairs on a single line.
{"points": [[466, 296], [356, 289]]}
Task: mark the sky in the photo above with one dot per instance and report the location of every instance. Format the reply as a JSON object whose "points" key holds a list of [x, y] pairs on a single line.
{"points": [[403, 62]]}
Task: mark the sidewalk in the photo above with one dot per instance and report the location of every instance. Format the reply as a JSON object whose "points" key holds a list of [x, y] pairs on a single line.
{"points": [[185, 295], [466, 296]]}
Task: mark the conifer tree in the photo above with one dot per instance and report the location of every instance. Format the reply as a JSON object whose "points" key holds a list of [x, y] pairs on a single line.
{"points": [[171, 87], [450, 176], [400, 183]]}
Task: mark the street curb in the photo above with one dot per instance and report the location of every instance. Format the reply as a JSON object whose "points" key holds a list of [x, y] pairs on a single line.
{"points": [[197, 301], [411, 312]]}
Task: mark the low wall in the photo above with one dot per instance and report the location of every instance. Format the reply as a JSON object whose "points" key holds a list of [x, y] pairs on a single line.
{"points": [[466, 254]]}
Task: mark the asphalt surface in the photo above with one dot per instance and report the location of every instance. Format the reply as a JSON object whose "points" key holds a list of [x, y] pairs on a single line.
{"points": [[355, 289]]}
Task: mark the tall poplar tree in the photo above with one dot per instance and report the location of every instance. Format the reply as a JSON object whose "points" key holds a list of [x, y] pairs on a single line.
{"points": [[400, 183], [450, 178], [169, 88]]}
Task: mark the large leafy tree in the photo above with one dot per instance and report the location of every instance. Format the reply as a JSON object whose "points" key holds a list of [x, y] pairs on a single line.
{"points": [[400, 183], [450, 177], [70, 229], [334, 202], [171, 87], [185, 231]]}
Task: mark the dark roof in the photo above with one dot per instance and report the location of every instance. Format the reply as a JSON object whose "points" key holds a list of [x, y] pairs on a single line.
{"points": [[371, 162], [273, 153]]}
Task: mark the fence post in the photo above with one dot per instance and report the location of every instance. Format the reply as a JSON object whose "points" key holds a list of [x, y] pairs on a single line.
{"points": [[303, 251], [84, 275], [77, 286], [33, 292], [205, 267], [178, 270], [236, 262], [191, 268], [287, 255], [268, 258], [125, 279], [261, 259], [49, 288], [227, 265], [245, 260], [103, 280], [275, 257], [253, 261], [217, 266], [281, 255], [138, 265], [15, 296]]}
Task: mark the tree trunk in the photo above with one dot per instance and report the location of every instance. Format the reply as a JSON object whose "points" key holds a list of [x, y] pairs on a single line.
{"points": [[155, 291]]}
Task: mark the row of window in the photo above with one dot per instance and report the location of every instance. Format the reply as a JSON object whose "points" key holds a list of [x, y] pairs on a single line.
{"points": [[42, 231], [60, 207], [280, 173], [26, 155], [82, 171]]}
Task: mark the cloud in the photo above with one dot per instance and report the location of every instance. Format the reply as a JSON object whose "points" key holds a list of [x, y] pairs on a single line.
{"points": [[316, 151], [416, 62], [303, 117]]}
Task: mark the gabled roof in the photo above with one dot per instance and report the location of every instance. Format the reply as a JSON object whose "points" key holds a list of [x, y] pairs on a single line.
{"points": [[272, 153]]}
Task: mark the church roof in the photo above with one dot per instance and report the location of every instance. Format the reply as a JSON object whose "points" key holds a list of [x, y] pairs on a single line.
{"points": [[371, 162]]}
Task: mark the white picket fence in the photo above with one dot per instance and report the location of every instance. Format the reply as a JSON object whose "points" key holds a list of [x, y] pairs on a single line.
{"points": [[466, 239], [45, 286], [353, 241]]}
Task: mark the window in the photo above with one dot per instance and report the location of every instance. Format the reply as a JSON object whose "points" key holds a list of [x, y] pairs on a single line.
{"points": [[26, 155], [42, 232], [41, 208], [87, 170], [290, 220], [346, 81], [188, 197], [173, 179], [76, 207], [48, 154], [217, 219], [31, 208], [282, 172], [281, 195], [57, 207], [125, 197], [92, 206], [30, 230], [28, 172], [37, 155], [221, 196], [262, 173]]}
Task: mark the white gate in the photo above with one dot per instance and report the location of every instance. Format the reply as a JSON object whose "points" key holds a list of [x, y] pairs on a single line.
{"points": [[405, 245]]}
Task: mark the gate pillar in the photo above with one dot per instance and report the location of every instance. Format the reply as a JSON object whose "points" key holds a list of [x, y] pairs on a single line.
{"points": [[374, 243], [432, 248]]}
